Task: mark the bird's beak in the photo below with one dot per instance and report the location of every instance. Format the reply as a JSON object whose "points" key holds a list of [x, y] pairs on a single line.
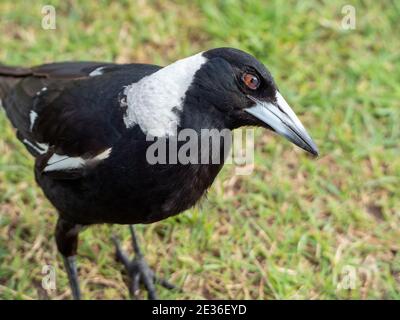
{"points": [[280, 117]]}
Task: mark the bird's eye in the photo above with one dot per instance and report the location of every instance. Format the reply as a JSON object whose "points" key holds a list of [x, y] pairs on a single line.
{"points": [[251, 81]]}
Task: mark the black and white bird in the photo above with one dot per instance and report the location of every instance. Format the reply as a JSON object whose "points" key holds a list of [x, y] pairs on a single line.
{"points": [[86, 124]]}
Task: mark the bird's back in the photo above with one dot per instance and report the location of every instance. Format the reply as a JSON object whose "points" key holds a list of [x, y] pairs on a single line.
{"points": [[59, 89]]}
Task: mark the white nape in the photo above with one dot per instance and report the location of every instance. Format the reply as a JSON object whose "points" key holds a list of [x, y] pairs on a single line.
{"points": [[154, 101], [32, 116], [96, 72], [64, 163]]}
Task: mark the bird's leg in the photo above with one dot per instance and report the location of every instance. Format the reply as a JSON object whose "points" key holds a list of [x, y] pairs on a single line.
{"points": [[72, 272], [139, 271], [67, 244]]}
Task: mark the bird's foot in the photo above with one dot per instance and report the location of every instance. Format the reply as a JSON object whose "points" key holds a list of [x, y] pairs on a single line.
{"points": [[139, 272]]}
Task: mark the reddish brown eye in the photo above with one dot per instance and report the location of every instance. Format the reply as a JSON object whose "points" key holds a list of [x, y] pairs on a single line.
{"points": [[251, 81]]}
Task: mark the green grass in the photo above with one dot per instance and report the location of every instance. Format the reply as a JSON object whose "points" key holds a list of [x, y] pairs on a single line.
{"points": [[288, 230]]}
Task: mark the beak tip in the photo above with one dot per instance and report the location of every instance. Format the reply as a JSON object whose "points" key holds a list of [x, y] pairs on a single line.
{"points": [[314, 151]]}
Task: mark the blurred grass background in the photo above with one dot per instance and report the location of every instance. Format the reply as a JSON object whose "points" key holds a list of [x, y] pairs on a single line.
{"points": [[297, 227]]}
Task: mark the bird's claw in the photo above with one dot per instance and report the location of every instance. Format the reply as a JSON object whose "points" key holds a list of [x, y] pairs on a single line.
{"points": [[139, 273]]}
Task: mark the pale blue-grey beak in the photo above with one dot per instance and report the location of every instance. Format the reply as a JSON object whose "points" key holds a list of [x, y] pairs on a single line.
{"points": [[280, 117]]}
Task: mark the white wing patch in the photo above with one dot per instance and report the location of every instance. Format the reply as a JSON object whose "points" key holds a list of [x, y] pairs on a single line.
{"points": [[32, 116], [40, 148], [153, 102], [64, 163], [41, 91], [96, 72], [61, 163]]}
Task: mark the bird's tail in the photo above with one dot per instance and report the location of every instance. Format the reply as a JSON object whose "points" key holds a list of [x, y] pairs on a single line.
{"points": [[9, 76], [17, 113]]}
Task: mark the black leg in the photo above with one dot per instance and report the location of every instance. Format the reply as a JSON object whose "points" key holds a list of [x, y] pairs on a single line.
{"points": [[139, 271], [67, 244], [135, 243], [72, 272]]}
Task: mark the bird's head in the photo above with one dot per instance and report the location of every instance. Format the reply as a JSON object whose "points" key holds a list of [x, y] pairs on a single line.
{"points": [[223, 87], [244, 92]]}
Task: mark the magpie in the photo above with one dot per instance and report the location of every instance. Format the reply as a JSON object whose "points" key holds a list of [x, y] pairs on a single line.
{"points": [[87, 126]]}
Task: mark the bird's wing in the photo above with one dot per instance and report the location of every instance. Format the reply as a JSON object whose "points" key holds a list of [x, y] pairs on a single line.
{"points": [[78, 124], [62, 70], [73, 70], [67, 116]]}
